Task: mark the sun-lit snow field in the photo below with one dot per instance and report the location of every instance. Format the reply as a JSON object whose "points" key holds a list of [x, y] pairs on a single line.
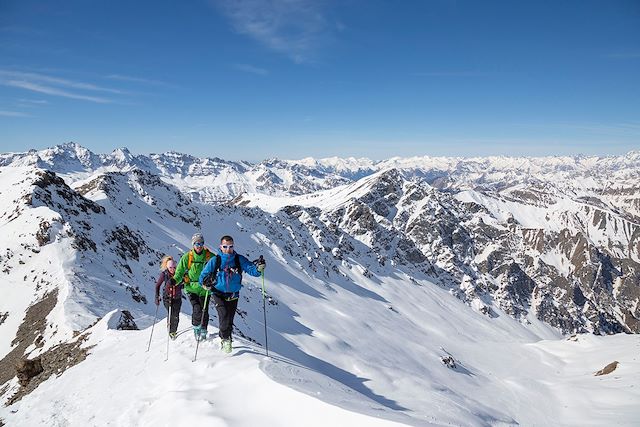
{"points": [[122, 384], [498, 381]]}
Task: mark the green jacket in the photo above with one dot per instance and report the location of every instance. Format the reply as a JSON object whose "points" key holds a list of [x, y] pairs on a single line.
{"points": [[191, 276]]}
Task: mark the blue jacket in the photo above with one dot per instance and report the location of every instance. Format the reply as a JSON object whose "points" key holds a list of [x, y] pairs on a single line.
{"points": [[228, 281]]}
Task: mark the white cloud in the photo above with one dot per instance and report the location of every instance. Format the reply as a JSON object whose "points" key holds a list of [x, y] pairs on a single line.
{"points": [[296, 28], [5, 113], [251, 69], [35, 77], [33, 101], [136, 80], [35, 87], [55, 86]]}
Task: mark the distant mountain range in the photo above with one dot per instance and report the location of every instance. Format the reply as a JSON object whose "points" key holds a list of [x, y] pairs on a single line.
{"points": [[558, 237]]}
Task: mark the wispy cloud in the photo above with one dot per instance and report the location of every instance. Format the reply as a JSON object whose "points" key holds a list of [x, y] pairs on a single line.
{"points": [[296, 28], [251, 69], [131, 79], [36, 77], [35, 87], [33, 101], [453, 74], [51, 85], [5, 113]]}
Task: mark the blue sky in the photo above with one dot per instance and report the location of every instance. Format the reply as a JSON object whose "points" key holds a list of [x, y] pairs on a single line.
{"points": [[257, 79]]}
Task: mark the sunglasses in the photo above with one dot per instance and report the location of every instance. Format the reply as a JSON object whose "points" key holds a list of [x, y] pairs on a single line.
{"points": [[226, 246], [198, 245]]}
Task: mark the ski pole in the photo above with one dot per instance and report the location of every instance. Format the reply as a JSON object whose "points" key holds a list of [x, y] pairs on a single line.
{"points": [[204, 307], [264, 311], [153, 326], [168, 329]]}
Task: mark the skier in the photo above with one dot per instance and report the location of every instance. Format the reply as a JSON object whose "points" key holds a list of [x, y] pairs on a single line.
{"points": [[188, 272], [223, 277], [171, 294]]}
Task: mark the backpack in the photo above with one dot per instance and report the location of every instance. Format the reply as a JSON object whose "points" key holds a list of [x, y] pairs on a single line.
{"points": [[212, 278], [207, 257], [170, 290]]}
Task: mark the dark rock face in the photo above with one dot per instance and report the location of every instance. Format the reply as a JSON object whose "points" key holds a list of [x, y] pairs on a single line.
{"points": [[56, 193], [27, 369], [76, 211], [128, 243], [562, 275], [126, 322], [29, 332]]}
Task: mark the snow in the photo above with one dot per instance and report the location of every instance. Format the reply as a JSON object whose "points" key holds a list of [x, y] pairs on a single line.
{"points": [[121, 384], [247, 388], [347, 347], [17, 296]]}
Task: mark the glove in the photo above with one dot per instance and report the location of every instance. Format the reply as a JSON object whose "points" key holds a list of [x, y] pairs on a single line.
{"points": [[157, 299], [207, 283], [261, 267]]}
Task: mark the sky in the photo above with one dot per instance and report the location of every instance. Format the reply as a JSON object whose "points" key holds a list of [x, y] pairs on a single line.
{"points": [[257, 79]]}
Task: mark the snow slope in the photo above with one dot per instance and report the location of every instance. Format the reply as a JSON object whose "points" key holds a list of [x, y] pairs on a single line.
{"points": [[120, 384], [354, 341]]}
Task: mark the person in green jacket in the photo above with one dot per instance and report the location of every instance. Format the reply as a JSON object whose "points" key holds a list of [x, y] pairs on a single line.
{"points": [[188, 273]]}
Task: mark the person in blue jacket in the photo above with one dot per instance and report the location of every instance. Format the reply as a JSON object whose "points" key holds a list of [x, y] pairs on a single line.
{"points": [[222, 276]]}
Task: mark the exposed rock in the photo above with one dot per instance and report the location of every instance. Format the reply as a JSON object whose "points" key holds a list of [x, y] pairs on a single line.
{"points": [[448, 361], [135, 293], [27, 369], [607, 369], [32, 327], [42, 236], [54, 362], [126, 322]]}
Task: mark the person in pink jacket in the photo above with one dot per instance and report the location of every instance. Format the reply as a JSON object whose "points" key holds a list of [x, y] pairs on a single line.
{"points": [[171, 294]]}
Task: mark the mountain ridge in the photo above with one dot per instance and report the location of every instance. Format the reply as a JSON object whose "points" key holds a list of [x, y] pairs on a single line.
{"points": [[527, 262]]}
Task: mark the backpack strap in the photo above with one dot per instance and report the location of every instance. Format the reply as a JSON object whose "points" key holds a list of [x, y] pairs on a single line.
{"points": [[170, 290], [216, 268], [238, 265], [186, 279], [218, 265], [207, 257]]}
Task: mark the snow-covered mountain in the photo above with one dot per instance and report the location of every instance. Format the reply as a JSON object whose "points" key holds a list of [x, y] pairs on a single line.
{"points": [[422, 291], [214, 179]]}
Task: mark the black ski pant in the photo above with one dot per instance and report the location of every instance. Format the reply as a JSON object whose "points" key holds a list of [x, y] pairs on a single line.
{"points": [[198, 309], [174, 313], [226, 311]]}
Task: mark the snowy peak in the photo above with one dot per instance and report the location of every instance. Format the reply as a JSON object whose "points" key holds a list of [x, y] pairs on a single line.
{"points": [[62, 158], [220, 180]]}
